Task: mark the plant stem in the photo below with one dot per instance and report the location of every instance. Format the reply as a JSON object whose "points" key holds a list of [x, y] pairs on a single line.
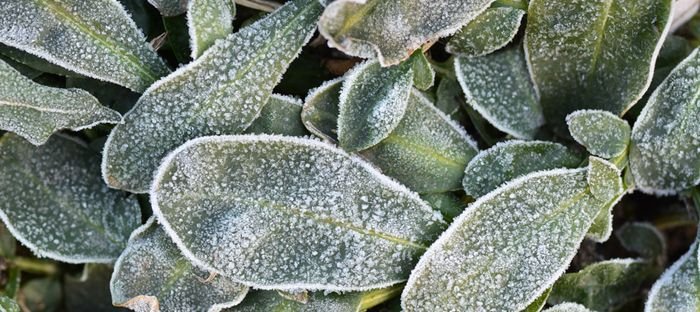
{"points": [[35, 265]]}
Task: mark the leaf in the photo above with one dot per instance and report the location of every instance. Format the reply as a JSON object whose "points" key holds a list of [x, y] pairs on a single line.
{"points": [[677, 289], [423, 73], [208, 21], [151, 272], [593, 54], [568, 307], [90, 290], [392, 29], [35, 62], [320, 111], [508, 160], [286, 213], [488, 32], [266, 300], [449, 100], [9, 304], [427, 151], [55, 204], [373, 100], [664, 156], [605, 285], [499, 88], [539, 303], [35, 111], [279, 116], [600, 173], [94, 38], [8, 244], [449, 204], [508, 247], [170, 7], [221, 92], [642, 238], [601, 132], [41, 295]]}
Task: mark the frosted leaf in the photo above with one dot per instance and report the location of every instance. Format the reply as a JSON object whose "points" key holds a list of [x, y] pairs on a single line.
{"points": [[642, 238], [449, 204], [35, 111], [89, 290], [596, 54], [221, 92], [262, 300], [568, 307], [285, 213], [320, 111], [539, 303], [423, 73], [490, 31], [665, 153], [677, 289], [34, 62], [373, 100], [498, 86], [601, 132], [392, 29], [512, 159], [508, 247], [8, 304], [603, 286], [95, 38], [152, 267], [281, 115], [427, 151], [600, 173], [170, 7], [55, 204], [208, 21]]}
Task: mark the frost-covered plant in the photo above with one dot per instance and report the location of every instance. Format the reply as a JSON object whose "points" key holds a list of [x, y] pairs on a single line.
{"points": [[448, 155]]}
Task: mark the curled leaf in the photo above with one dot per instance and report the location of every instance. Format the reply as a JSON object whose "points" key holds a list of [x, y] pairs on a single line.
{"points": [[320, 112], [488, 32], [281, 115], [601, 132], [208, 21]]}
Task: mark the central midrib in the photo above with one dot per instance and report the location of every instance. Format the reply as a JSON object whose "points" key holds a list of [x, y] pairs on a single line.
{"points": [[601, 31], [423, 150], [41, 109]]}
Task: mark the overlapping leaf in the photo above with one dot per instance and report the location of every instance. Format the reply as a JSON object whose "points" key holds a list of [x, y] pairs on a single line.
{"points": [[35, 111], [490, 31], [151, 272], [593, 54], [170, 7], [288, 213], [55, 204], [392, 29], [602, 172], [677, 289], [89, 291], [208, 21], [642, 238], [281, 115], [316, 302], [320, 111], [664, 157], [222, 92], [601, 132], [568, 307], [95, 38]]}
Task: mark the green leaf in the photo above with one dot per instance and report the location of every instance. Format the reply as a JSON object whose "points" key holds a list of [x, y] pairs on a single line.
{"points": [[151, 272], [208, 21], [392, 29], [449, 204], [664, 156], [603, 286], [642, 238], [568, 307], [373, 101], [320, 111], [9, 304], [449, 100], [593, 54], [35, 111], [427, 151], [490, 31], [499, 88], [35, 62], [508, 247], [423, 73], [266, 300], [56, 205], [600, 173], [281, 115], [170, 7], [285, 213], [678, 287], [89, 291], [94, 38], [601, 132], [8, 244], [222, 92], [41, 295], [539, 303], [512, 159]]}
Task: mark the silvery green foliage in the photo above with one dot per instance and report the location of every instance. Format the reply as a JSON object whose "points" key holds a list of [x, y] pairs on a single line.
{"points": [[602, 172], [35, 111], [56, 205], [95, 38], [391, 30], [642, 238], [281, 115], [601, 132], [151, 273], [677, 289], [448, 203], [221, 92], [373, 100], [278, 212], [208, 21], [508, 160], [603, 286], [266, 300], [539, 303], [568, 307], [170, 7], [596, 54], [665, 152], [427, 151], [423, 73], [490, 31], [498, 86], [509, 246], [8, 304], [320, 111]]}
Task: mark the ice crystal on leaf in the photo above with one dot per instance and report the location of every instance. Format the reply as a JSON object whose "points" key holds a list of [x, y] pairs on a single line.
{"points": [[677, 289], [208, 21], [490, 31], [281, 115], [170, 7], [568, 307], [601, 132], [320, 111], [266, 300]]}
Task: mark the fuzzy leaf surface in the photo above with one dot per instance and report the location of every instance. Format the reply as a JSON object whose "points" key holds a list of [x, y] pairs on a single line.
{"points": [[266, 300], [488, 32], [568, 307], [208, 21], [281, 115], [170, 7], [677, 289], [320, 111], [601, 132]]}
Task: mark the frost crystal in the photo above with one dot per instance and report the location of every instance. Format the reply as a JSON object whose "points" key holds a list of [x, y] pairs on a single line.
{"points": [[95, 38], [601, 132], [568, 307], [151, 266], [56, 205], [281, 115], [487, 33], [677, 289], [170, 7], [222, 92], [265, 300], [208, 21], [35, 111], [320, 112], [278, 212]]}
